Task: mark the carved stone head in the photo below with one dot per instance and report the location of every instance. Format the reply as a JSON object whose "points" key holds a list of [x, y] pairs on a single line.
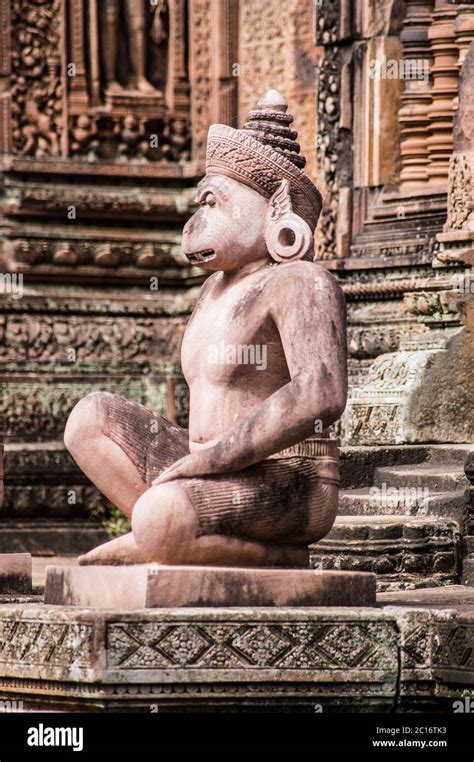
{"points": [[254, 201]]}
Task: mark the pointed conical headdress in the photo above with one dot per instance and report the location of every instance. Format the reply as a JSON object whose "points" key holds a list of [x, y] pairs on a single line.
{"points": [[263, 153]]}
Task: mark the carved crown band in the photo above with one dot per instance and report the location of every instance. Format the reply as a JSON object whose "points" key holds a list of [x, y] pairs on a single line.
{"points": [[236, 154]]}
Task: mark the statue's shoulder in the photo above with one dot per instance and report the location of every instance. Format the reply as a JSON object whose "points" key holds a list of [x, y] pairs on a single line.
{"points": [[303, 273]]}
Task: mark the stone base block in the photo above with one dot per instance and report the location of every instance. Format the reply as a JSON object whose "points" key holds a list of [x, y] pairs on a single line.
{"points": [[155, 586], [411, 653], [201, 659], [15, 573]]}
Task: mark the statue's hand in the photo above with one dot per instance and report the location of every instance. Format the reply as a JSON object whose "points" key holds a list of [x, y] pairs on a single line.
{"points": [[193, 465]]}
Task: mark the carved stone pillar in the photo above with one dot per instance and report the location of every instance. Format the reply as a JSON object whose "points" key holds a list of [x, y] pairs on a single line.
{"points": [[334, 148], [225, 21], [276, 49], [177, 93], [416, 98], [94, 68], [78, 95], [213, 44], [445, 79]]}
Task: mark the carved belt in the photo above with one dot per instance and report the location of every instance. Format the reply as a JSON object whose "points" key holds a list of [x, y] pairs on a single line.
{"points": [[311, 448], [324, 453]]}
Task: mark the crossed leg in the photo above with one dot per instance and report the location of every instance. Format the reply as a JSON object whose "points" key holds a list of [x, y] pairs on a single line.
{"points": [[108, 467], [165, 530], [165, 524]]}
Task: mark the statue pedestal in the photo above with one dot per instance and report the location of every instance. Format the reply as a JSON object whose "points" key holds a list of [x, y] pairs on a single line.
{"points": [[155, 586], [136, 103]]}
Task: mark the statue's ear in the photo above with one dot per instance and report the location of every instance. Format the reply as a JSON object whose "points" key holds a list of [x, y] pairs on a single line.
{"points": [[287, 235]]}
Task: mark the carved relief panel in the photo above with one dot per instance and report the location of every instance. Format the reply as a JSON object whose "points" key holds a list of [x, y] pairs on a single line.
{"points": [[98, 79]]}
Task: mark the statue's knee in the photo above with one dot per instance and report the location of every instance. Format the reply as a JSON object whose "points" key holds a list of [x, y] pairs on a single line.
{"points": [[86, 419], [164, 523]]}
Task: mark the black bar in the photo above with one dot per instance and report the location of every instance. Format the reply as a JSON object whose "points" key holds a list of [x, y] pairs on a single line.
{"points": [[375, 736]]}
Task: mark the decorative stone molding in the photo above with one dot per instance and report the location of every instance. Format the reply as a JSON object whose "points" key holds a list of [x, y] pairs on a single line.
{"points": [[30, 254], [39, 410], [214, 57], [445, 76]]}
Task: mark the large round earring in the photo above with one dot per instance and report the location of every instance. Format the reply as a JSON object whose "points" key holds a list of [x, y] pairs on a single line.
{"points": [[287, 236]]}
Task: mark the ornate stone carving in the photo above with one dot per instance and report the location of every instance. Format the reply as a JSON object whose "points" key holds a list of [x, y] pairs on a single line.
{"points": [[39, 411], [454, 651], [372, 340], [73, 340], [277, 50], [327, 22], [201, 89], [37, 91], [391, 405], [327, 144], [123, 137], [249, 646], [134, 121], [431, 304], [116, 202], [426, 247], [460, 191], [61, 500], [215, 67], [334, 139], [36, 643], [141, 29], [104, 254], [395, 657]]}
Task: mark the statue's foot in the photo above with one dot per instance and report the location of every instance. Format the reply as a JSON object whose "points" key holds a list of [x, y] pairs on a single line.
{"points": [[121, 550], [114, 88], [142, 84]]}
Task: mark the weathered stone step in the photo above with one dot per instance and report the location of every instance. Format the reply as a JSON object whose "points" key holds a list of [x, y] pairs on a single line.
{"points": [[431, 477], [404, 551], [358, 463], [42, 480], [449, 453], [373, 501], [50, 537]]}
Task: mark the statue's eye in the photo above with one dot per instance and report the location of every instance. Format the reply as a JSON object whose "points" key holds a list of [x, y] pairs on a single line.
{"points": [[206, 198], [209, 199]]}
